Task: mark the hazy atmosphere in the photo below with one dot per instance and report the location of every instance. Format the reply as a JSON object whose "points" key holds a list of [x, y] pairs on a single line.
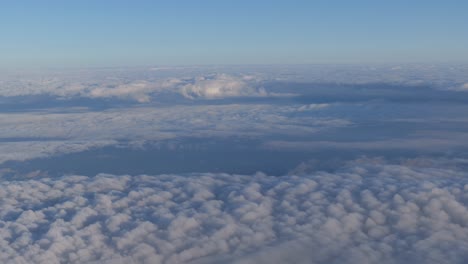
{"points": [[243, 132]]}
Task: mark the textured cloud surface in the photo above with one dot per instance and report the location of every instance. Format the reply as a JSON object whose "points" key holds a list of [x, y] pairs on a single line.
{"points": [[312, 123], [366, 213], [220, 86], [31, 135]]}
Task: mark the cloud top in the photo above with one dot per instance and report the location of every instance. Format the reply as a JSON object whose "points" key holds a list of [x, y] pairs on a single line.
{"points": [[366, 213], [221, 86]]}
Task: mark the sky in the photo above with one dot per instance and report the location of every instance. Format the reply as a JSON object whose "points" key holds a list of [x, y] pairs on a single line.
{"points": [[132, 33]]}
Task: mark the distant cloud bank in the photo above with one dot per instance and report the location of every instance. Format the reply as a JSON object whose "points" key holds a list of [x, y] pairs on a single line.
{"points": [[201, 86], [148, 84]]}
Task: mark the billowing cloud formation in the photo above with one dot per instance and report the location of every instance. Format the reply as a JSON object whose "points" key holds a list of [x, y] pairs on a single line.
{"points": [[220, 86], [366, 213]]}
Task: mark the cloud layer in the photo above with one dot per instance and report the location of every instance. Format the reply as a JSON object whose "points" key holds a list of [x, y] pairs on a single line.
{"points": [[366, 213], [29, 135], [142, 86]]}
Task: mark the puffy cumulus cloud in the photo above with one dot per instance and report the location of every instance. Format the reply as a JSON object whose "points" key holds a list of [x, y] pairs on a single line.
{"points": [[221, 86], [366, 213]]}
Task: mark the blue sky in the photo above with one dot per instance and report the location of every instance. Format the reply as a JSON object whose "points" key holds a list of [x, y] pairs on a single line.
{"points": [[116, 33]]}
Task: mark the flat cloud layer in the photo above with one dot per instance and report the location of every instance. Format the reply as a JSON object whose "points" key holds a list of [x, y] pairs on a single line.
{"points": [[365, 213], [31, 135]]}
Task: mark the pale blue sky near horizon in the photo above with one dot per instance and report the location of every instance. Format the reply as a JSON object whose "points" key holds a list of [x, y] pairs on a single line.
{"points": [[118, 33]]}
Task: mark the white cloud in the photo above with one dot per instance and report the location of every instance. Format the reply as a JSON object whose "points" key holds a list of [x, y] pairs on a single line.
{"points": [[221, 86], [367, 213]]}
